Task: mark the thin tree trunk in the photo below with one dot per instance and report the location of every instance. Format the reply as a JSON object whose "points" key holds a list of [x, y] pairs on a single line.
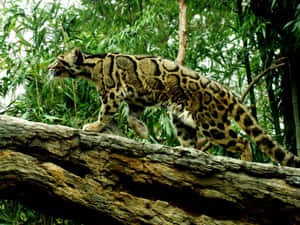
{"points": [[273, 105], [247, 62], [182, 33], [274, 108], [287, 112], [296, 106], [249, 79], [267, 59]]}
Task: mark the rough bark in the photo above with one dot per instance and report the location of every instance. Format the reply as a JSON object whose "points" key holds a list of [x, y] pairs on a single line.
{"points": [[114, 180]]}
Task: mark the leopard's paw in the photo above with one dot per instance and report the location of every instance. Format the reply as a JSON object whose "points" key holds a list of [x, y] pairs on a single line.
{"points": [[95, 127], [139, 127]]}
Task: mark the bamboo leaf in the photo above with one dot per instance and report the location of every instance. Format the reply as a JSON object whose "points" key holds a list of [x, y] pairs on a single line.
{"points": [[23, 40]]}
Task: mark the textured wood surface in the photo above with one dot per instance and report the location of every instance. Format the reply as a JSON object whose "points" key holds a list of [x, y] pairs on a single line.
{"points": [[115, 180]]}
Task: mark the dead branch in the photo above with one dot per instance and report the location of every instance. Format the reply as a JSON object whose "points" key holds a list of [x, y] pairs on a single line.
{"points": [[278, 63]]}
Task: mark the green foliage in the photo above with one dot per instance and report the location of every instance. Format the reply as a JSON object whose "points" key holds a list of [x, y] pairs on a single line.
{"points": [[14, 213], [160, 126], [294, 24]]}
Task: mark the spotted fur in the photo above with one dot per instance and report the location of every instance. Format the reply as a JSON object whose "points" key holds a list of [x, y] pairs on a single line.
{"points": [[199, 105]]}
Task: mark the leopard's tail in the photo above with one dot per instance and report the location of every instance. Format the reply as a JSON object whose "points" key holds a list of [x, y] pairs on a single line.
{"points": [[263, 140]]}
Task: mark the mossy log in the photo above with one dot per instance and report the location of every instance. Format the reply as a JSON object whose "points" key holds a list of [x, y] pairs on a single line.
{"points": [[114, 180]]}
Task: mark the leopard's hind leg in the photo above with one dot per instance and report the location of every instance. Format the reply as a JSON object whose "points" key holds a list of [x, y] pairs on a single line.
{"points": [[226, 137], [187, 135]]}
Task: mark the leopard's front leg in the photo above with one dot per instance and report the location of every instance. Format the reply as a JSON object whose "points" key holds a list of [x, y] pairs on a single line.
{"points": [[109, 107]]}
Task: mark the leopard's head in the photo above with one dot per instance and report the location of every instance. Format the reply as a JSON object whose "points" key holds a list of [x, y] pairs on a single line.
{"points": [[67, 64]]}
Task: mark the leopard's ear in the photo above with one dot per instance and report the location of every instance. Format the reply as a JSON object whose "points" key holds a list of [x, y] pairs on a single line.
{"points": [[78, 56]]}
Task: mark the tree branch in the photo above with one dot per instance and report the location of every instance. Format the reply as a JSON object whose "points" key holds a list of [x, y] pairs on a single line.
{"points": [[277, 64], [121, 181]]}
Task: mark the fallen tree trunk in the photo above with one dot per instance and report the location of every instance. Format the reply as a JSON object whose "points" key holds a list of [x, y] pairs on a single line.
{"points": [[114, 180]]}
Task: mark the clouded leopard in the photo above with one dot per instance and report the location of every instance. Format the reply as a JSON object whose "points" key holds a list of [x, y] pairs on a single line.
{"points": [[198, 104]]}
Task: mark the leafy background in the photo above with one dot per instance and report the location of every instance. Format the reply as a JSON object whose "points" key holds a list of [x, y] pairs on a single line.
{"points": [[222, 35]]}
